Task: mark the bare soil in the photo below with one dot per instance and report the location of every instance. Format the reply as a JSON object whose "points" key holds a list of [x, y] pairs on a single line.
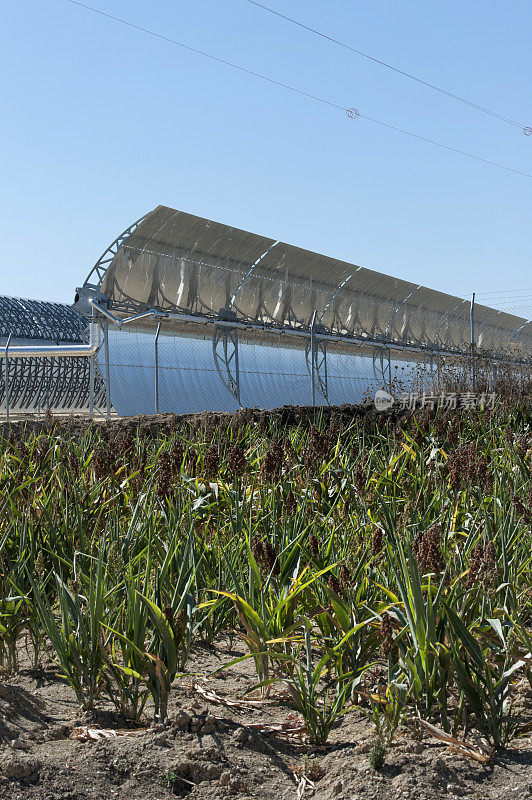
{"points": [[211, 750]]}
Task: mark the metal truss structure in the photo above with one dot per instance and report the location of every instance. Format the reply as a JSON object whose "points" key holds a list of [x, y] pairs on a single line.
{"points": [[62, 384], [207, 280], [225, 353], [316, 361], [192, 269], [36, 383], [202, 275], [382, 366], [99, 269], [36, 319]]}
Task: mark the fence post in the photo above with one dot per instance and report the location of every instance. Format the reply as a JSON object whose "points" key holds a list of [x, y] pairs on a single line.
{"points": [[92, 320], [237, 366], [46, 385], [6, 375], [157, 368], [313, 359], [472, 326], [91, 387], [107, 372]]}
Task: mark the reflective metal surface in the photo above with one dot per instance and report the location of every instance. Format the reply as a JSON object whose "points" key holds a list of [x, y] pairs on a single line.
{"points": [[243, 319], [270, 376], [178, 262]]}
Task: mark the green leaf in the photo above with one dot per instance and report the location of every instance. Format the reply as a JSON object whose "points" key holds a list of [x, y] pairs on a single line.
{"points": [[165, 632]]}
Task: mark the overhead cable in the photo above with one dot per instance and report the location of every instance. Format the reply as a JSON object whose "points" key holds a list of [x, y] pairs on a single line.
{"points": [[353, 113], [527, 129]]}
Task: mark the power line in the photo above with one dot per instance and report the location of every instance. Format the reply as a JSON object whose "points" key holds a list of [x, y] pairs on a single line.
{"points": [[517, 308], [353, 113], [514, 310], [207, 55], [509, 302], [527, 130], [505, 293], [507, 306]]}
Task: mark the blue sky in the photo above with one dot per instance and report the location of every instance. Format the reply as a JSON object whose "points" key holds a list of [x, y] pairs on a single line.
{"points": [[102, 123]]}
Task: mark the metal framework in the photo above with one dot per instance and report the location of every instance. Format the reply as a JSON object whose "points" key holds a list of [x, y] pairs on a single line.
{"points": [[316, 361], [197, 272], [106, 258], [187, 266], [225, 353], [382, 365], [234, 287], [35, 319], [34, 382]]}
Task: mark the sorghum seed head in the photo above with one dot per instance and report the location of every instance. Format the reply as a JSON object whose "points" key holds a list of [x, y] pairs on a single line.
{"points": [[212, 461], [314, 545], [427, 551], [386, 634], [236, 460], [115, 562], [344, 578], [273, 461], [39, 565], [377, 542], [180, 623], [290, 503]]}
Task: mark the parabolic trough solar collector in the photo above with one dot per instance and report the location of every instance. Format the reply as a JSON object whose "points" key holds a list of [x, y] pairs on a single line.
{"points": [[247, 320], [206, 275]]}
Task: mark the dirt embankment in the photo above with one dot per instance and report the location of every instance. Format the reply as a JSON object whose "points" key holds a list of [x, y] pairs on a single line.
{"points": [[163, 424]]}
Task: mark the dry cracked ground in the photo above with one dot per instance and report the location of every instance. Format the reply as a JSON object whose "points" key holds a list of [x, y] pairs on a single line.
{"points": [[212, 749]]}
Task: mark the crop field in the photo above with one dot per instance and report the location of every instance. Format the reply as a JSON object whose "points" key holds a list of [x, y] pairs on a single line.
{"points": [[268, 605]]}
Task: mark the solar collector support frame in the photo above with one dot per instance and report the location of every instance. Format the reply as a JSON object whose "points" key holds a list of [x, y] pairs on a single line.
{"points": [[196, 274], [176, 262], [44, 357]]}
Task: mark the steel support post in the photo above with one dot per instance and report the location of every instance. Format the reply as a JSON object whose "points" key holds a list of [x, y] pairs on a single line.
{"points": [[107, 371], [316, 359], [321, 369], [472, 326], [382, 366], [237, 366], [156, 347], [6, 374], [227, 361], [92, 366], [313, 358], [91, 387], [46, 377]]}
